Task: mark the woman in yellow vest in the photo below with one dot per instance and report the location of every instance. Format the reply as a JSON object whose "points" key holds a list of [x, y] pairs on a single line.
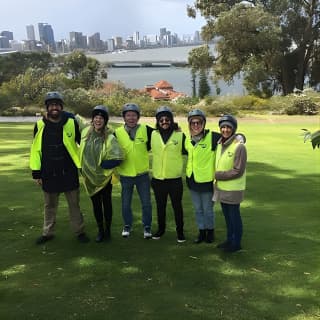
{"points": [[200, 173], [230, 181], [167, 146], [99, 154]]}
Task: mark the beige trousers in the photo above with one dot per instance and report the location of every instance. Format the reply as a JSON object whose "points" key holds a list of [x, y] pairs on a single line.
{"points": [[51, 201]]}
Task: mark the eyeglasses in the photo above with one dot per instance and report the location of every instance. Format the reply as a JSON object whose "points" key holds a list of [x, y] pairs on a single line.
{"points": [[196, 123], [164, 120]]}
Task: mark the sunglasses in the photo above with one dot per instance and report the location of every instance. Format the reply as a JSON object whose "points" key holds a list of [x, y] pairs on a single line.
{"points": [[196, 123], [164, 120]]}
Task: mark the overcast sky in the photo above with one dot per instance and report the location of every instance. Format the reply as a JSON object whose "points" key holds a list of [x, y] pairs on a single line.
{"points": [[109, 17]]}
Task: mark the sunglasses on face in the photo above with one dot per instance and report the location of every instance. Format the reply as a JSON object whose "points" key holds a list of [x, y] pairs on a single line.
{"points": [[196, 123], [164, 120]]}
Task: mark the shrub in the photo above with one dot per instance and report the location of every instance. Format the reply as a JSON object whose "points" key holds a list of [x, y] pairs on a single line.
{"points": [[302, 106]]}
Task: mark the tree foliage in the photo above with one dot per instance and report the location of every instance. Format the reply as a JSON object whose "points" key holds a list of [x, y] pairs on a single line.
{"points": [[273, 43]]}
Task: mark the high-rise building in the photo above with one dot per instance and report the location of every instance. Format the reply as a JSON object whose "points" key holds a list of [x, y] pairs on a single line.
{"points": [[110, 43], [136, 38], [94, 42], [4, 42], [46, 34], [118, 43], [30, 32], [7, 34], [77, 40]]}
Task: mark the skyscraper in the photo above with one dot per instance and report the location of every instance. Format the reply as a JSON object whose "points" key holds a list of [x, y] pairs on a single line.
{"points": [[46, 34], [30, 32], [7, 34]]}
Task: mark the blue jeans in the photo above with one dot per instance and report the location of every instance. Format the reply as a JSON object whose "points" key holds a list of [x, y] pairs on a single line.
{"points": [[142, 183], [203, 205], [234, 223]]}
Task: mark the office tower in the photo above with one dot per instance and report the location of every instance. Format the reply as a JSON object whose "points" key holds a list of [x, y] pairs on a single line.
{"points": [[197, 37], [46, 34], [4, 42], [30, 32], [136, 38], [77, 40], [110, 43], [7, 34], [94, 42], [118, 42], [163, 32]]}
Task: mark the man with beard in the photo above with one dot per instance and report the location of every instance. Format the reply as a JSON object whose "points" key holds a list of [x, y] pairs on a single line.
{"points": [[54, 163]]}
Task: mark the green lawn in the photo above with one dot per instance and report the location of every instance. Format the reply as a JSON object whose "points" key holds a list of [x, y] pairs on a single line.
{"points": [[275, 276]]}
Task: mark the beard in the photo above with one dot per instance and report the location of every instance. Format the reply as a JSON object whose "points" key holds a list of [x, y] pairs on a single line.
{"points": [[54, 114]]}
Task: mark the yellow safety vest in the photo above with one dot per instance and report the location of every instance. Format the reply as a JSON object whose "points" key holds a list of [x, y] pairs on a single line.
{"points": [[167, 161], [200, 159], [68, 141], [224, 162], [136, 156]]}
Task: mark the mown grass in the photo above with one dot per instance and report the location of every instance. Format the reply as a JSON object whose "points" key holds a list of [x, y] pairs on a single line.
{"points": [[275, 276]]}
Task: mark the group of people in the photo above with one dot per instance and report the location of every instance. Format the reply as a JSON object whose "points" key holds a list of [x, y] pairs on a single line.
{"points": [[215, 170]]}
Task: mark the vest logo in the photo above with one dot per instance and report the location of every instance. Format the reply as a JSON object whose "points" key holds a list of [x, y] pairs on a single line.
{"points": [[69, 134], [230, 154], [203, 145], [175, 142], [141, 140]]}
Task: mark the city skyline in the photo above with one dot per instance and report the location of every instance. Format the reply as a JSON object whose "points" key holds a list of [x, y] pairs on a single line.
{"points": [[109, 19]]}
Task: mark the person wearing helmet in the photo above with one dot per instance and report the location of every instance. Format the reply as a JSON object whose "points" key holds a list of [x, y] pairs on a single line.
{"points": [[201, 146], [134, 139], [230, 180], [54, 162], [167, 146], [100, 153]]}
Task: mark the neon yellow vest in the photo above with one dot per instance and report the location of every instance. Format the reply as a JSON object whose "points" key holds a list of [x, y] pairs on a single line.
{"points": [[136, 156], [200, 159], [68, 141], [167, 161], [224, 162]]}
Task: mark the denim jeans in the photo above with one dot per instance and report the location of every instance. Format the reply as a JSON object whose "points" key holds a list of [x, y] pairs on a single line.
{"points": [[142, 183], [203, 205], [234, 223]]}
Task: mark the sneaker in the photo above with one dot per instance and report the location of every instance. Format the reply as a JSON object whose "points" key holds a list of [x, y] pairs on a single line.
{"points": [[232, 248], [43, 239], [147, 233], [82, 237], [157, 235], [126, 231], [181, 238]]}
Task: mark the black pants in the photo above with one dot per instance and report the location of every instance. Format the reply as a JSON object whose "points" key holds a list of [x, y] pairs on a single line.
{"points": [[174, 189], [102, 206]]}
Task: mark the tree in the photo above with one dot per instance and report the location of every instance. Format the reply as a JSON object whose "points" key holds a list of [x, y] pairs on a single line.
{"points": [[200, 61], [313, 137], [274, 44]]}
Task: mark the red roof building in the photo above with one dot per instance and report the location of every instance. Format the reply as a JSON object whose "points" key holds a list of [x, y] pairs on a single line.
{"points": [[163, 90]]}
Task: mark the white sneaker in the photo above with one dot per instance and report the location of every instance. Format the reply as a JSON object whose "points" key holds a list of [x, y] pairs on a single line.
{"points": [[126, 231], [147, 233]]}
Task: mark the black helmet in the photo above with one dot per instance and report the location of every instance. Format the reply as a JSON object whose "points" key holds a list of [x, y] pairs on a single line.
{"points": [[130, 107], [164, 111], [196, 113], [228, 120], [53, 95], [101, 111]]}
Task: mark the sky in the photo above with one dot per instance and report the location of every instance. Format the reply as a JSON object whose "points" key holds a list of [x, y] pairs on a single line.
{"points": [[109, 17]]}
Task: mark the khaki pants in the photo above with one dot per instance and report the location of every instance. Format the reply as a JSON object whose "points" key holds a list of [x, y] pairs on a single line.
{"points": [[51, 201]]}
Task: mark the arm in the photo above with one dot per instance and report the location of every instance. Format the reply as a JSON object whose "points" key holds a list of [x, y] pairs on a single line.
{"points": [[239, 165], [149, 133], [215, 138]]}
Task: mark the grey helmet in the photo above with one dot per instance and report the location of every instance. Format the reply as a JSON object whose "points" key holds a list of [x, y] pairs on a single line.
{"points": [[53, 95], [196, 113], [130, 107], [164, 110], [101, 111], [228, 120]]}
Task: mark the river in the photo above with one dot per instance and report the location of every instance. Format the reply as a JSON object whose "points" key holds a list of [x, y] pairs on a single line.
{"points": [[179, 77]]}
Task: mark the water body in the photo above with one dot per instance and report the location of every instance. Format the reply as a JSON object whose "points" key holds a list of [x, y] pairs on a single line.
{"points": [[179, 77]]}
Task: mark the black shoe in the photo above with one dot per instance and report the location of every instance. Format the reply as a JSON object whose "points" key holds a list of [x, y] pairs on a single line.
{"points": [[100, 236], [107, 234], [210, 236], [158, 235], [232, 248], [181, 238], [201, 237], [82, 237], [44, 239], [224, 244]]}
